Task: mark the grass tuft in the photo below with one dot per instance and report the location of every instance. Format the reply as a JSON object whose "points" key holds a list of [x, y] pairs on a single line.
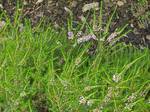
{"points": [[41, 70]]}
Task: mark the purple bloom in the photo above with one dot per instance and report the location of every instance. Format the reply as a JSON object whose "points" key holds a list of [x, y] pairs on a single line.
{"points": [[70, 35]]}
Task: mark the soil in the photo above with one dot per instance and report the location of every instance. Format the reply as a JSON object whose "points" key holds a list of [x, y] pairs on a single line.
{"points": [[54, 12]]}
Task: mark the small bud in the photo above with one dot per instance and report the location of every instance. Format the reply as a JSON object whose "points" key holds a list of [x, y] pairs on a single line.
{"points": [[70, 35]]}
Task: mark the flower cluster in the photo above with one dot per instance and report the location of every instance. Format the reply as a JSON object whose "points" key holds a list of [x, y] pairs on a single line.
{"points": [[130, 101], [81, 38], [132, 97], [84, 101], [97, 28], [111, 37], [107, 98], [86, 38], [116, 78]]}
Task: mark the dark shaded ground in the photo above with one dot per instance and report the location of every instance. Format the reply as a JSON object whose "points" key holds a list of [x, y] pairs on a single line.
{"points": [[53, 12]]}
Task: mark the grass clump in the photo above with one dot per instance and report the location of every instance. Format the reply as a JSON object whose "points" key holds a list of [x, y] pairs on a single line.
{"points": [[41, 70]]}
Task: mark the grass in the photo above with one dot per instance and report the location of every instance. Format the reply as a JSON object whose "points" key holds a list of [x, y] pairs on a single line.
{"points": [[41, 70]]}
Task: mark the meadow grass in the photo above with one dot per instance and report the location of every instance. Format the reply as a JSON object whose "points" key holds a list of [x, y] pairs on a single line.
{"points": [[41, 70]]}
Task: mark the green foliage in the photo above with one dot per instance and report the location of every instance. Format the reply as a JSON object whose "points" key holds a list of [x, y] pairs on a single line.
{"points": [[41, 70]]}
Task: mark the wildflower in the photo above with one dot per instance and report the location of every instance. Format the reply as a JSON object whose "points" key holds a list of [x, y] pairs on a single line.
{"points": [[86, 38], [130, 101], [111, 37], [97, 28], [116, 78], [79, 34], [128, 106], [132, 97], [70, 35], [82, 100], [94, 5]]}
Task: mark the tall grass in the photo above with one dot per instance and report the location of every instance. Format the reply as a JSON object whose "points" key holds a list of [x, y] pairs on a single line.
{"points": [[42, 71]]}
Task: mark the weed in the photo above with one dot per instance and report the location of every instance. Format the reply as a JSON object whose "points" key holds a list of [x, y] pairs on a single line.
{"points": [[43, 70]]}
